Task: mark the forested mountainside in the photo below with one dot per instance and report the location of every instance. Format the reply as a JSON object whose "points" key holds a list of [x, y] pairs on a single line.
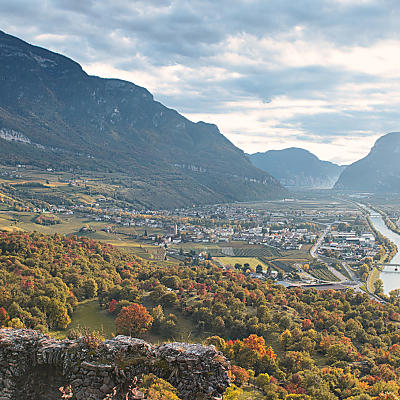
{"points": [[379, 171], [295, 167], [287, 343], [54, 115]]}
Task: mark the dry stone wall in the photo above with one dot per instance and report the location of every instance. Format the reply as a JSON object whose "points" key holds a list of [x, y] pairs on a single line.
{"points": [[34, 366]]}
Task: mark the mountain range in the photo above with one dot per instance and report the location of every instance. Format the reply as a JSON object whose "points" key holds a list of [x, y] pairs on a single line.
{"points": [[379, 171], [54, 115], [297, 168]]}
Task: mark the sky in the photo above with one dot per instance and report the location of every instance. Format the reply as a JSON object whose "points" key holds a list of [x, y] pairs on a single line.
{"points": [[323, 75]]}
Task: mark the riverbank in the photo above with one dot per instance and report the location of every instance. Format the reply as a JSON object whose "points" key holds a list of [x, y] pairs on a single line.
{"points": [[389, 247], [391, 241], [373, 277], [388, 222]]}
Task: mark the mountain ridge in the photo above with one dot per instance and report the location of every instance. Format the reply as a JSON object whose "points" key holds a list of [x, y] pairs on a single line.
{"points": [[297, 167], [49, 104]]}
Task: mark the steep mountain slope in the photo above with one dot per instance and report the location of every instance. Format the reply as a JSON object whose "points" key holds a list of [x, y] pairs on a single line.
{"points": [[295, 167], [52, 114], [378, 171]]}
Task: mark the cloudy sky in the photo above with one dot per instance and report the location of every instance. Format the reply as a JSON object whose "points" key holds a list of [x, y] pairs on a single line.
{"points": [[319, 74]]}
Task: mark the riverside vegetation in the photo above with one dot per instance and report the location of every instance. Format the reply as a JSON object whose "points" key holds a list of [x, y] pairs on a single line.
{"points": [[282, 343]]}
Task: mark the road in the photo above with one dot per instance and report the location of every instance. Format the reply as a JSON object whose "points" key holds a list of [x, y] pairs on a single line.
{"points": [[349, 271], [338, 274], [314, 249]]}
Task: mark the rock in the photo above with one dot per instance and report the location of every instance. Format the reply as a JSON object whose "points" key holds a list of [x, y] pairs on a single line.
{"points": [[105, 388], [45, 364]]}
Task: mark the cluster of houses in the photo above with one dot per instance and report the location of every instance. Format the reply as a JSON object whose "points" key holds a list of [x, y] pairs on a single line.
{"points": [[348, 246], [284, 239], [10, 175], [289, 239]]}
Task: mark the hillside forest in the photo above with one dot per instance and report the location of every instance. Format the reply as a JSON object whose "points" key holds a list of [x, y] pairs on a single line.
{"points": [[282, 343]]}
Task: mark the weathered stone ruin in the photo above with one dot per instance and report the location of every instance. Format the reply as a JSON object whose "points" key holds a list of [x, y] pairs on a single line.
{"points": [[34, 366]]}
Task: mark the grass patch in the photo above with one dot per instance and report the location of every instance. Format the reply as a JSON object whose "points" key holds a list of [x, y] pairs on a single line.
{"points": [[185, 330], [88, 314]]}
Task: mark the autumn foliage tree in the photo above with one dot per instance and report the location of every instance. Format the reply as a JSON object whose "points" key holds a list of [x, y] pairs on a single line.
{"points": [[112, 306], [4, 317], [133, 319], [239, 375]]}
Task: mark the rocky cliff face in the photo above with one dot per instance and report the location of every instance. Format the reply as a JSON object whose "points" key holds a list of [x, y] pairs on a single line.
{"points": [[34, 366], [379, 171]]}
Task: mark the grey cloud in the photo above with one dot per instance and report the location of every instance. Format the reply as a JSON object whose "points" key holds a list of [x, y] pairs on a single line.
{"points": [[193, 33], [185, 24]]}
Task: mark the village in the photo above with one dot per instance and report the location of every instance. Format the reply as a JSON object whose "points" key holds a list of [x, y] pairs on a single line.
{"points": [[271, 239], [282, 229]]}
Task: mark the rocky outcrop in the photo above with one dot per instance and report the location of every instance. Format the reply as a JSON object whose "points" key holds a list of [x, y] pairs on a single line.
{"points": [[34, 366]]}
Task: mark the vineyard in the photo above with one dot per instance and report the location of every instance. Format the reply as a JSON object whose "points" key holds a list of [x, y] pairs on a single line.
{"points": [[265, 252], [279, 265], [323, 273], [217, 252]]}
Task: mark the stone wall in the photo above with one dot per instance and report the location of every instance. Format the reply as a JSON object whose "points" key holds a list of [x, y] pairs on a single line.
{"points": [[34, 366]]}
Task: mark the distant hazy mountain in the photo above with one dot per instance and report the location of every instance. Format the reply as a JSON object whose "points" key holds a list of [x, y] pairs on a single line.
{"points": [[295, 167], [378, 171], [52, 114]]}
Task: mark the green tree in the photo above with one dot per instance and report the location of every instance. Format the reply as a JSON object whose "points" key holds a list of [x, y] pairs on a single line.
{"points": [[169, 299], [378, 286], [90, 288]]}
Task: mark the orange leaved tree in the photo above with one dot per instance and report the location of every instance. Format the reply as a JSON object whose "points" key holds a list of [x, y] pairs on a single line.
{"points": [[133, 319]]}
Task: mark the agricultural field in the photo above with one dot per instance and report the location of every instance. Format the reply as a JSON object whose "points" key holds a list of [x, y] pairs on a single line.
{"points": [[339, 267], [231, 261], [321, 203], [240, 252], [211, 248], [256, 251], [232, 249], [322, 273], [281, 266], [70, 225]]}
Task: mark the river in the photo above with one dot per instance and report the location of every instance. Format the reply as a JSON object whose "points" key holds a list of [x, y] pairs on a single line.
{"points": [[390, 278]]}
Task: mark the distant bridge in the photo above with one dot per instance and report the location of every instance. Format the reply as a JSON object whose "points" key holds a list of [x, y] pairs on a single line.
{"points": [[396, 267]]}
